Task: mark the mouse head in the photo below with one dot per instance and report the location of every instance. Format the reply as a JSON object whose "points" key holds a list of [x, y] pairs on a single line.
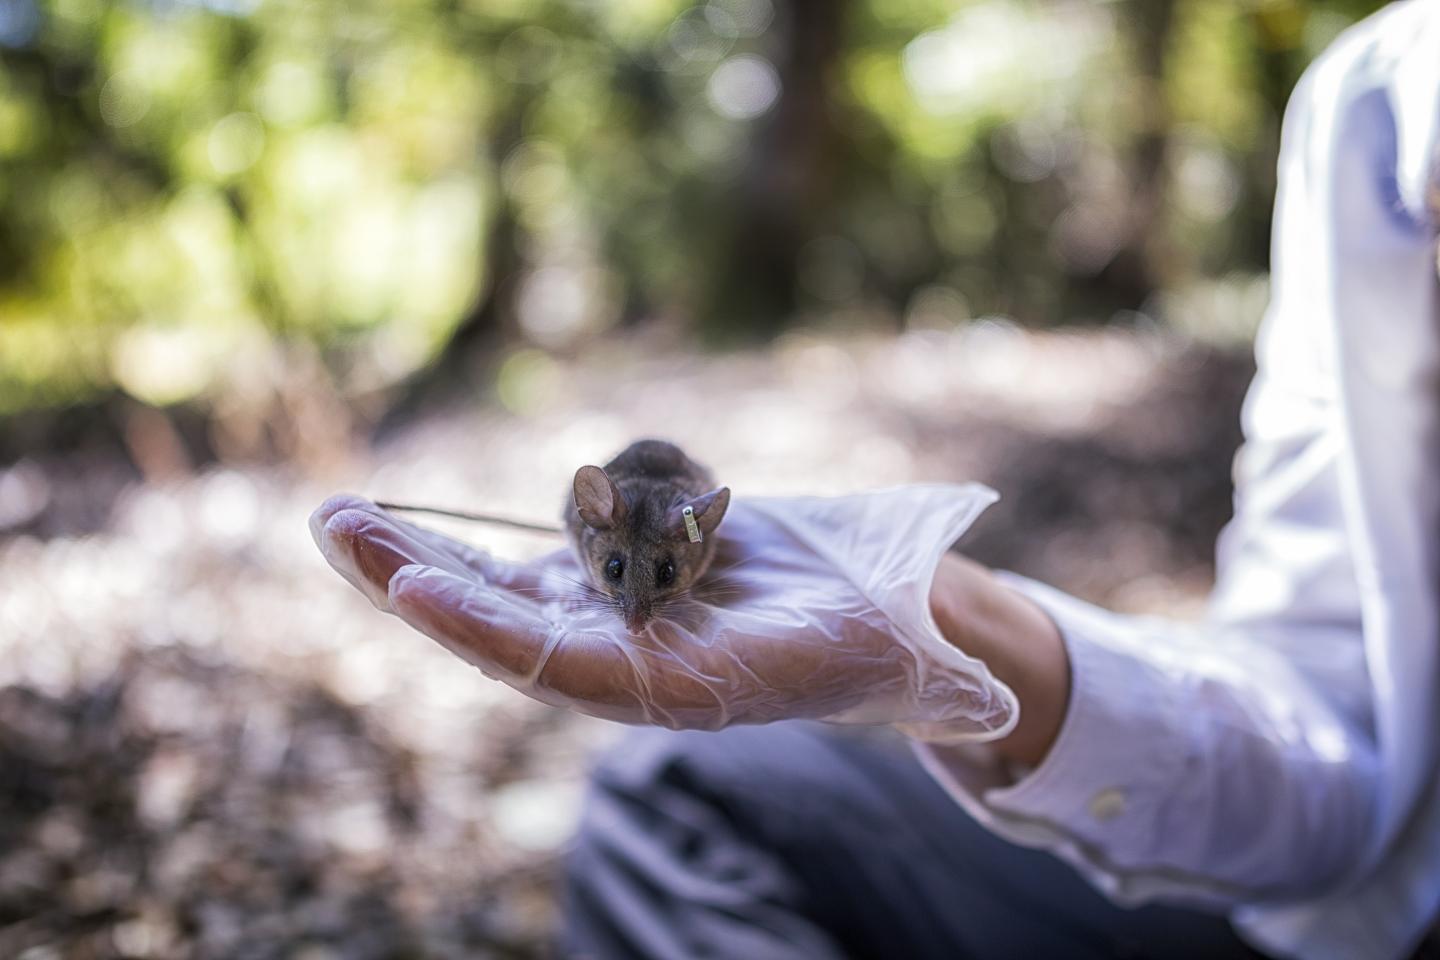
{"points": [[638, 549]]}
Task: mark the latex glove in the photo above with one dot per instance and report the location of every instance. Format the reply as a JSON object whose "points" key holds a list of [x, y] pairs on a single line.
{"points": [[814, 608]]}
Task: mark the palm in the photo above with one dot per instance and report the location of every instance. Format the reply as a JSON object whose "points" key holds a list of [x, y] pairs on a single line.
{"points": [[777, 628]]}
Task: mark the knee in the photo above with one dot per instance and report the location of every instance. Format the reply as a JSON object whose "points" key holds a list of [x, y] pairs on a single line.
{"points": [[635, 786], [648, 762], [662, 786], [672, 821], [632, 791], [636, 760]]}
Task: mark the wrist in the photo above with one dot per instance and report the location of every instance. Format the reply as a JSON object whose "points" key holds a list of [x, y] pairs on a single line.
{"points": [[1014, 638]]}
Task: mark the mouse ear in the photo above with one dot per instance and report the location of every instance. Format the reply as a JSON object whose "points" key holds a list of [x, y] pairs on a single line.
{"points": [[709, 510], [598, 500]]}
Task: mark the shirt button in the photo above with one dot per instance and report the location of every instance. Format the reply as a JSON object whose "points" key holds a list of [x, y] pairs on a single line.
{"points": [[1107, 805]]}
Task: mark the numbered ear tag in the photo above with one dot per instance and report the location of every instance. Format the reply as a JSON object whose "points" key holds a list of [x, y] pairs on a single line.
{"points": [[692, 529]]}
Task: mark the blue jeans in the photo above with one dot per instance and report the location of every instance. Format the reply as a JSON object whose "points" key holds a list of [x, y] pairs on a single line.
{"points": [[799, 841]]}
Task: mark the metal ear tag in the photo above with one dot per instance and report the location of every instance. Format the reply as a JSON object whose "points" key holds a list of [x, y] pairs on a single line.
{"points": [[692, 529]]}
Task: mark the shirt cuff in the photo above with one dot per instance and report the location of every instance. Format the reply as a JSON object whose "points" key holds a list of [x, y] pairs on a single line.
{"points": [[1096, 797]]}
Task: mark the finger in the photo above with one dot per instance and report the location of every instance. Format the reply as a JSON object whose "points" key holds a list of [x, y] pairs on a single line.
{"points": [[459, 556], [602, 673], [366, 548], [512, 576], [332, 506], [525, 577], [486, 627], [583, 669]]}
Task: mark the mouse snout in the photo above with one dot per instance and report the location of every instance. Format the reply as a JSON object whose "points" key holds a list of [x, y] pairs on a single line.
{"points": [[636, 613]]}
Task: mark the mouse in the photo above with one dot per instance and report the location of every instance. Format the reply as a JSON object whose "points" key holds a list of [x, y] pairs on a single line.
{"points": [[642, 527]]}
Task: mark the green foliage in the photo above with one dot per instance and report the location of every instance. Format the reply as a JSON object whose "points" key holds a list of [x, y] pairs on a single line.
{"points": [[188, 189]]}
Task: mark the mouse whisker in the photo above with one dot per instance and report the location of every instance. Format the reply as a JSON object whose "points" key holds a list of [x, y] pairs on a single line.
{"points": [[587, 590], [568, 598], [596, 599], [680, 611], [718, 570], [586, 587], [549, 593], [531, 591], [712, 591], [711, 583], [726, 583]]}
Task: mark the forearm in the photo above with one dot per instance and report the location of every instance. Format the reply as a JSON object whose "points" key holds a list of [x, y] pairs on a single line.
{"points": [[1160, 724], [1018, 642]]}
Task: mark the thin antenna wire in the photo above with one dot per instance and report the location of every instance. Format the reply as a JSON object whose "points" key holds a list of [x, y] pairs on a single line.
{"points": [[473, 517]]}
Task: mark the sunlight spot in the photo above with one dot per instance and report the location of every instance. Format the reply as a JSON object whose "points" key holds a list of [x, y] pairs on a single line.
{"points": [[743, 87]]}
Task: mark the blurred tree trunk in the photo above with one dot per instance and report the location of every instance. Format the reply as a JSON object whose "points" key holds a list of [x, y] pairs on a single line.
{"points": [[491, 321], [785, 181], [1135, 271]]}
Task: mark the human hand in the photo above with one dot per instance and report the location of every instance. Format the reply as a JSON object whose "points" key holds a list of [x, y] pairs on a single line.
{"points": [[813, 608]]}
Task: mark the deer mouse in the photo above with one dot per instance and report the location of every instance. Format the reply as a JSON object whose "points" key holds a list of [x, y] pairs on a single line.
{"points": [[642, 525]]}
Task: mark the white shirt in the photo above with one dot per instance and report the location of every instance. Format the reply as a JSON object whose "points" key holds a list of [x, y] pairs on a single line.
{"points": [[1280, 758]]}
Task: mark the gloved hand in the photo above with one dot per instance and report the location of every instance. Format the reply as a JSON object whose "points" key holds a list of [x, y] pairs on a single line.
{"points": [[813, 608]]}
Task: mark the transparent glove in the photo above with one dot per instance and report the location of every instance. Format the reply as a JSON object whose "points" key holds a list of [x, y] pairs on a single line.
{"points": [[813, 608]]}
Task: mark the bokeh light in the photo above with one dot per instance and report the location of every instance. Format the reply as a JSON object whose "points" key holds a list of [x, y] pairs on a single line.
{"points": [[743, 87]]}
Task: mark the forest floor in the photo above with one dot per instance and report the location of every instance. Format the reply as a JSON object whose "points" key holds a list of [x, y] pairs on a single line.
{"points": [[211, 746]]}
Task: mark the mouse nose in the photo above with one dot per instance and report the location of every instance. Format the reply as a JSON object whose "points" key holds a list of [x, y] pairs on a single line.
{"points": [[637, 616]]}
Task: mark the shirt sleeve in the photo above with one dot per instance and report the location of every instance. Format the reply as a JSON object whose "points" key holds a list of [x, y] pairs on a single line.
{"points": [[1192, 764], [1235, 760]]}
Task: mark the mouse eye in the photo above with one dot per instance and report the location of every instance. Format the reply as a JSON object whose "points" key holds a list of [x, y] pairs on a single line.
{"points": [[665, 573], [614, 568]]}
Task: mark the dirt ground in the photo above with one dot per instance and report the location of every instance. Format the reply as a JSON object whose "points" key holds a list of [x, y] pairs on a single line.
{"points": [[210, 746]]}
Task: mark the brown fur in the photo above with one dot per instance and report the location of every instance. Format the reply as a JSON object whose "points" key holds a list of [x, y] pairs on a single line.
{"points": [[631, 510]]}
